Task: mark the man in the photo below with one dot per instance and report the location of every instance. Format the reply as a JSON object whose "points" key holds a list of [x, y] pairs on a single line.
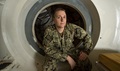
{"points": [[59, 47]]}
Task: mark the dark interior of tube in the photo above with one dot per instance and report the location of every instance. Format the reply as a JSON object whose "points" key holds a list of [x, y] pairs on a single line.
{"points": [[45, 18]]}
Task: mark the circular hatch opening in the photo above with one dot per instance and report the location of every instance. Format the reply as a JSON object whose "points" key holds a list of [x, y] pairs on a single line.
{"points": [[81, 13]]}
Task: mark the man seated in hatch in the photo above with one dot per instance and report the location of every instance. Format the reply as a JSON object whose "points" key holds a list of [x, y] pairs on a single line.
{"points": [[58, 44]]}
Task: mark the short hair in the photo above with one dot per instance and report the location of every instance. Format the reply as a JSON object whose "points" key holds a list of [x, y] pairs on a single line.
{"points": [[57, 9]]}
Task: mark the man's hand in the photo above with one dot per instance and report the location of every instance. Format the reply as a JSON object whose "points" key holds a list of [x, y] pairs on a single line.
{"points": [[82, 56], [71, 62]]}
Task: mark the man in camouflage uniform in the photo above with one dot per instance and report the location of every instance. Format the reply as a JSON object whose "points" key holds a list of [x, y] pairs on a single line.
{"points": [[59, 47]]}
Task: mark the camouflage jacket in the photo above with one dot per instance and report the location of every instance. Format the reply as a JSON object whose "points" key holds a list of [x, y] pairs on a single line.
{"points": [[59, 47]]}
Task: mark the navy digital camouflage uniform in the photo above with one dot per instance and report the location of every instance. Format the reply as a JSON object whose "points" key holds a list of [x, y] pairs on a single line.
{"points": [[57, 47]]}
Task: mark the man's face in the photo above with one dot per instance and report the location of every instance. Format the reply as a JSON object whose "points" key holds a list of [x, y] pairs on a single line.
{"points": [[60, 19]]}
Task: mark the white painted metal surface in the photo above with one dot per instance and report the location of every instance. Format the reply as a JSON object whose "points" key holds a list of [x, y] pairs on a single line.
{"points": [[109, 12], [109, 40]]}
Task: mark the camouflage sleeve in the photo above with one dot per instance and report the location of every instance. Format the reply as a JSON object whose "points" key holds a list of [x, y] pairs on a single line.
{"points": [[84, 37], [49, 48]]}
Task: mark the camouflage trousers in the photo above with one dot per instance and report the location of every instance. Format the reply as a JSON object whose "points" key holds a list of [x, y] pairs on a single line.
{"points": [[64, 66], [85, 65]]}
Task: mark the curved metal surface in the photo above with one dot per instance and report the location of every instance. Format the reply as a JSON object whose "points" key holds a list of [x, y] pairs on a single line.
{"points": [[80, 6]]}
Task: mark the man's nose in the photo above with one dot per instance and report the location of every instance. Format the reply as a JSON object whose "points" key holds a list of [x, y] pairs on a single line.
{"points": [[62, 19]]}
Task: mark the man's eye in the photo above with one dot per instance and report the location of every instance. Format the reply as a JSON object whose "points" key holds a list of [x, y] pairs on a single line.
{"points": [[58, 17], [64, 17]]}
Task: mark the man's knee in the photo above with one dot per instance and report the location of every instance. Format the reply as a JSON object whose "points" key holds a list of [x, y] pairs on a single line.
{"points": [[83, 66], [63, 66]]}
